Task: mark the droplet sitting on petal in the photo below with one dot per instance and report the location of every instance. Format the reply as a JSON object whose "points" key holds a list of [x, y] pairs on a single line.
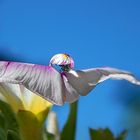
{"points": [[62, 60]]}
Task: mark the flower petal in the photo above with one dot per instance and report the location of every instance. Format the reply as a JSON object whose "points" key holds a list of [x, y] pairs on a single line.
{"points": [[9, 94], [42, 80]]}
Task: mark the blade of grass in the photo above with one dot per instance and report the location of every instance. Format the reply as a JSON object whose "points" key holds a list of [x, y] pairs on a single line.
{"points": [[69, 130]]}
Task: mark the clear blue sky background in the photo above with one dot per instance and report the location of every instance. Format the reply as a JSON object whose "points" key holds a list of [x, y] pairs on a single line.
{"points": [[95, 33]]}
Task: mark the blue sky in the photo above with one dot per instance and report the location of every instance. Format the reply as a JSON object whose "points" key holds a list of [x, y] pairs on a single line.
{"points": [[95, 33]]}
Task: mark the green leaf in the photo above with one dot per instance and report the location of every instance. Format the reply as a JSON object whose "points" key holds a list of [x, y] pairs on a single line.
{"points": [[9, 116], [101, 134], [11, 135], [2, 121], [50, 136], [30, 126], [104, 134], [122, 136], [3, 134], [8, 122], [69, 130]]}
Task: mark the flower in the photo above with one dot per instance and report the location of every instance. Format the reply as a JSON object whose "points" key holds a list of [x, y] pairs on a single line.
{"points": [[31, 109], [20, 98], [62, 85]]}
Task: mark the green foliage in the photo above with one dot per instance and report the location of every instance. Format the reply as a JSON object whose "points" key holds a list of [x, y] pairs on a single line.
{"points": [[9, 128], [122, 136], [21, 126], [11, 135], [2, 127], [104, 134], [30, 126], [69, 130], [26, 126], [50, 136]]}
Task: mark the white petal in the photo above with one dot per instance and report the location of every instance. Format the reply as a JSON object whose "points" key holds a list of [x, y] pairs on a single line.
{"points": [[83, 81], [42, 80]]}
